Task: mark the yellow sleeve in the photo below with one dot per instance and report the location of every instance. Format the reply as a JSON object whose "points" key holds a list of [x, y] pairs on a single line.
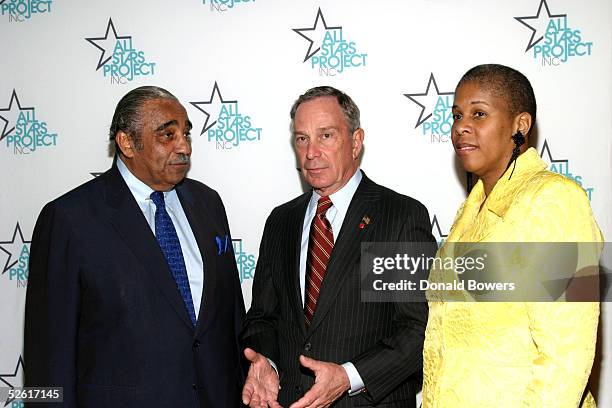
{"points": [[564, 334]]}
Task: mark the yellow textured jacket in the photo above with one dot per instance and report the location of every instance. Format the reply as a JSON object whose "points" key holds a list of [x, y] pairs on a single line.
{"points": [[515, 354]]}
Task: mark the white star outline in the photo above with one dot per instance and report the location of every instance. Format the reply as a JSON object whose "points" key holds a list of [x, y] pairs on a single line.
{"points": [[427, 100], [112, 42], [435, 228], [318, 34], [14, 248], [15, 374], [10, 117], [546, 148], [540, 23], [215, 108]]}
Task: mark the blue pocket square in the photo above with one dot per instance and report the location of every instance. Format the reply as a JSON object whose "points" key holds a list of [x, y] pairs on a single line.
{"points": [[222, 244]]}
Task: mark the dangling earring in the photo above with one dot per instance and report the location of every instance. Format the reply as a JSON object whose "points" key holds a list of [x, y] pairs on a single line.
{"points": [[470, 181], [518, 140]]}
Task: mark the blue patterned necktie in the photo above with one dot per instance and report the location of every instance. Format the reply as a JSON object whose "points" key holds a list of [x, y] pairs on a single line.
{"points": [[171, 247]]}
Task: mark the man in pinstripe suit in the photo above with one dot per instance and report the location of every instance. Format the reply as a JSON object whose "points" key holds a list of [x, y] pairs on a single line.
{"points": [[310, 339]]}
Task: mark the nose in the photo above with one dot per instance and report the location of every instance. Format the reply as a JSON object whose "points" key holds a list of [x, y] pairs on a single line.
{"points": [[312, 150], [183, 144], [462, 126]]}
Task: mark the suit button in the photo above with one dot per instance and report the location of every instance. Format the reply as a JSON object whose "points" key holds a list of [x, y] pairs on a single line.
{"points": [[194, 386], [298, 389], [196, 344], [307, 346]]}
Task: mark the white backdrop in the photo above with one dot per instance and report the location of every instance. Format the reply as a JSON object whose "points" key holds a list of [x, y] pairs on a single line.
{"points": [[63, 68]]}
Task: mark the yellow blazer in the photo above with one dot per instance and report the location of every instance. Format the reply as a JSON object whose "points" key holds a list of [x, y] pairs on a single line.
{"points": [[517, 354]]}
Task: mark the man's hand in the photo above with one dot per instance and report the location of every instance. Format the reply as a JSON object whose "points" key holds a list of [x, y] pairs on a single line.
{"points": [[261, 386], [331, 381]]}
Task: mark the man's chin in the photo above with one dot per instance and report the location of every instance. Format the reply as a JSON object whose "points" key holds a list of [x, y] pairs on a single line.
{"points": [[316, 182]]}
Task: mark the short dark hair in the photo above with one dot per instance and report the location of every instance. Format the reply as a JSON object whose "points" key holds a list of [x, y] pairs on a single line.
{"points": [[507, 83], [127, 116], [349, 108]]}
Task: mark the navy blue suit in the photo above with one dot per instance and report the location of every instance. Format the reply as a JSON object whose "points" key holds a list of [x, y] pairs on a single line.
{"points": [[104, 318]]}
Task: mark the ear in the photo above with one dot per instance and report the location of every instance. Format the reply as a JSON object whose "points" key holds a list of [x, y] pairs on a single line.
{"points": [[357, 140], [124, 141], [523, 123]]}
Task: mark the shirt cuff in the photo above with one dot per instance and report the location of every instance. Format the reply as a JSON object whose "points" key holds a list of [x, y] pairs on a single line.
{"points": [[357, 385], [273, 366]]}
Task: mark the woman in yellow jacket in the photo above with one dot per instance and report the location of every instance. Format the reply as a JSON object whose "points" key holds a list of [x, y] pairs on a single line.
{"points": [[518, 354]]}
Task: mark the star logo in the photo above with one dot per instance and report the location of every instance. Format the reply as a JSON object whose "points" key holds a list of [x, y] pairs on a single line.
{"points": [[435, 228], [13, 379], [538, 23], [15, 247], [546, 148], [214, 108], [106, 44], [10, 115], [427, 100], [316, 34]]}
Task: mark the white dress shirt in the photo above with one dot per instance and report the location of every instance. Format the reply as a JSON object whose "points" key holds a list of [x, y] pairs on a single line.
{"points": [[189, 245], [341, 200]]}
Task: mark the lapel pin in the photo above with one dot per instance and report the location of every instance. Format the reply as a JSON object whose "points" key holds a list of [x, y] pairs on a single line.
{"points": [[365, 220]]}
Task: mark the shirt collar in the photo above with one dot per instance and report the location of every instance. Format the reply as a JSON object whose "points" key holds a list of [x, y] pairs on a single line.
{"points": [[140, 190], [341, 199]]}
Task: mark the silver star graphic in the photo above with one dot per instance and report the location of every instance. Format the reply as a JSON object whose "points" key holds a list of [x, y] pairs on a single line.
{"points": [[15, 248], [317, 36], [10, 115], [215, 105], [546, 148], [435, 228], [16, 379], [108, 43], [427, 101], [538, 24]]}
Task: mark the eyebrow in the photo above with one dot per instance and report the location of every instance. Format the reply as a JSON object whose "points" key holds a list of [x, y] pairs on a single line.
{"points": [[166, 125], [473, 103], [173, 122], [324, 128]]}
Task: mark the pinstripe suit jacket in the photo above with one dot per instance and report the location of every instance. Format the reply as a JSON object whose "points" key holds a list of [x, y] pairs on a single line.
{"points": [[383, 340]]}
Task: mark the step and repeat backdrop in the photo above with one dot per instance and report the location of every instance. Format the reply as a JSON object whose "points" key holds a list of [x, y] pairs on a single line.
{"points": [[238, 65]]}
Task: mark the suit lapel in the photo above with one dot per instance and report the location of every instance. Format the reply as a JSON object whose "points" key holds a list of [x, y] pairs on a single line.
{"points": [[205, 229], [345, 256], [294, 239], [127, 218]]}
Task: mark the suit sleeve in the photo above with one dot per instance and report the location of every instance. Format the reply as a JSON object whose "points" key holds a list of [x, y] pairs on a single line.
{"points": [[384, 367], [52, 306], [564, 333], [239, 312], [260, 326]]}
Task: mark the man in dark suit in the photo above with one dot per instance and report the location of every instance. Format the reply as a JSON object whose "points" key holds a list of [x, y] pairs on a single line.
{"points": [[133, 293], [307, 323]]}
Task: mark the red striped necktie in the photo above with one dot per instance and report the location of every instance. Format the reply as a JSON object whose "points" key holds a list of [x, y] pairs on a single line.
{"points": [[320, 246]]}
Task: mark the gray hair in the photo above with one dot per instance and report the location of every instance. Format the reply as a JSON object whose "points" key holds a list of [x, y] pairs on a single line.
{"points": [[127, 113], [349, 108]]}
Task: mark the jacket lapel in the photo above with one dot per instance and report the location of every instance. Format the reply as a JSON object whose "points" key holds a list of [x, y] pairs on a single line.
{"points": [[473, 224], [127, 218], [345, 256], [205, 229], [294, 238]]}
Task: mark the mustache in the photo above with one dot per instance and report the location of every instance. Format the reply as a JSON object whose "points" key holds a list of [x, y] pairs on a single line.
{"points": [[181, 159]]}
